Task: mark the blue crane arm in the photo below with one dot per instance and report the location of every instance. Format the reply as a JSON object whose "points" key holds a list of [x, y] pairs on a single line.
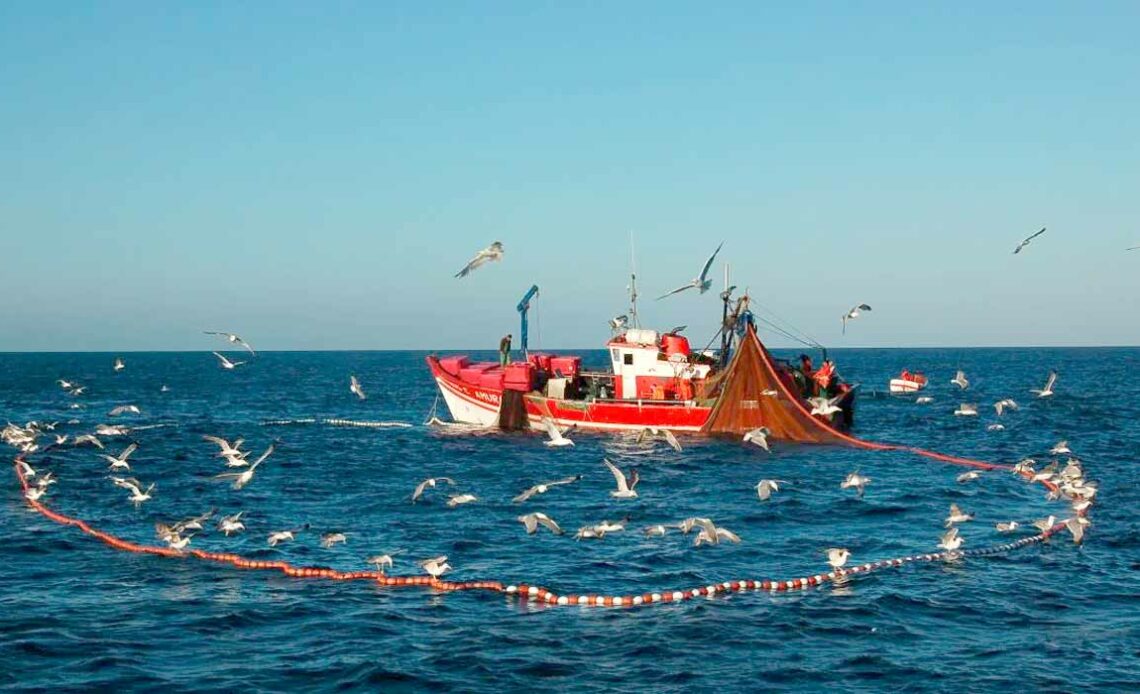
{"points": [[523, 309]]}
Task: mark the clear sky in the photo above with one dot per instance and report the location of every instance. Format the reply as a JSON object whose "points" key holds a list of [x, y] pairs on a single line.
{"points": [[311, 175]]}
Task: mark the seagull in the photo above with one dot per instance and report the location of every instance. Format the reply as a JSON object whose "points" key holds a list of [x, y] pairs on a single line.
{"points": [[119, 365], [923, 400], [1002, 405], [759, 436], [966, 410], [1076, 526], [492, 253], [654, 432], [1007, 527], [555, 434], [712, 535], [533, 520], [618, 322], [354, 387], [284, 535], [330, 539], [995, 427], [1061, 448], [87, 438], [702, 282], [430, 482], [436, 566], [194, 523], [231, 524], [1025, 242], [856, 481], [460, 499], [960, 380], [837, 557], [178, 542], [1045, 474], [852, 314], [228, 450], [232, 339], [243, 478], [1044, 524], [655, 531], [1025, 466], [119, 462], [110, 430], [66, 385], [28, 470], [625, 485], [226, 363], [968, 476], [764, 488], [45, 480], [589, 532], [35, 493], [1047, 391], [824, 406], [382, 560], [121, 409], [544, 487], [957, 515], [137, 494], [951, 541]]}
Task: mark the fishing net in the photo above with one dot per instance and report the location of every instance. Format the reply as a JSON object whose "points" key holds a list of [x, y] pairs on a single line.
{"points": [[512, 411], [753, 394]]}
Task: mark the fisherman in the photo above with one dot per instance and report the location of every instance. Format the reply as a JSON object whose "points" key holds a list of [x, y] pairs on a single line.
{"points": [[505, 350], [806, 369]]}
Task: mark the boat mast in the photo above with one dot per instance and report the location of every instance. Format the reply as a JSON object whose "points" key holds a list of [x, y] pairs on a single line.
{"points": [[632, 285]]}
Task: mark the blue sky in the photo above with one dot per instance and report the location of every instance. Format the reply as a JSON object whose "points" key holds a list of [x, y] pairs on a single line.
{"points": [[312, 175]]}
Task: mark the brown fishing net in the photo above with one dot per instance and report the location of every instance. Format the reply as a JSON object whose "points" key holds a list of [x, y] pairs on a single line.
{"points": [[752, 394], [512, 411]]}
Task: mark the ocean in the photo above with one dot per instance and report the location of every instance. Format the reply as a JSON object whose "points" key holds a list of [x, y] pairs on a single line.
{"points": [[77, 614]]}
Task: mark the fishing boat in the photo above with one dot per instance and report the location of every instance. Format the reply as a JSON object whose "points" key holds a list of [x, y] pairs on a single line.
{"points": [[653, 380], [908, 382]]}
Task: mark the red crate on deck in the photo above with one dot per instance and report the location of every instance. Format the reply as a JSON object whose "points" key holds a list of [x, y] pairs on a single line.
{"points": [[492, 378], [568, 367], [519, 376], [541, 361], [472, 374], [452, 365]]}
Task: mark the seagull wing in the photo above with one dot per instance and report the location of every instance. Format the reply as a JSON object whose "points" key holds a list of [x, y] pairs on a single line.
{"points": [[678, 290], [672, 440], [222, 358], [1052, 379], [709, 262], [564, 480], [622, 485], [266, 454], [526, 494], [548, 522]]}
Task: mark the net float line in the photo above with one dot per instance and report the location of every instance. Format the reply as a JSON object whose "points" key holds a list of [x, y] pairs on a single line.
{"points": [[522, 590], [336, 422]]}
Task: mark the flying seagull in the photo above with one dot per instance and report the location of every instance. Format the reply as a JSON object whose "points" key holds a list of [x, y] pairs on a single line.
{"points": [[232, 339], [355, 388], [759, 436], [960, 380], [1029, 238], [1047, 391], [625, 485], [544, 487], [852, 314], [701, 282], [119, 365], [494, 252], [226, 363]]}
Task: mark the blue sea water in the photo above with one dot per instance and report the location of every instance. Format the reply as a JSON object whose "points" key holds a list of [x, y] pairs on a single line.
{"points": [[76, 614]]}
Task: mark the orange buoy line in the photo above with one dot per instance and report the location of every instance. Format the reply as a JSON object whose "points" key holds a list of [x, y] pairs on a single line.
{"points": [[522, 590]]}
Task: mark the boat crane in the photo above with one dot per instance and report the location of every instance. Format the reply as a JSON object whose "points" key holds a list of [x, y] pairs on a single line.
{"points": [[524, 309]]}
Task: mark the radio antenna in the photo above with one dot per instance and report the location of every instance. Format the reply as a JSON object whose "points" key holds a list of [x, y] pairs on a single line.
{"points": [[632, 284]]}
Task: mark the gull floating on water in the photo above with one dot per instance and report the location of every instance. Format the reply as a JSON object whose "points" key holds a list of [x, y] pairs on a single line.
{"points": [[1047, 391], [960, 380], [951, 541], [122, 409], [111, 430], [544, 487], [533, 520], [966, 410], [625, 485], [968, 476], [1061, 448], [837, 557], [1026, 241], [232, 339], [923, 400], [701, 282], [852, 314], [655, 531], [759, 436], [382, 560], [995, 427], [226, 363], [1044, 524], [355, 388], [492, 253], [429, 482], [1007, 527], [330, 539]]}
